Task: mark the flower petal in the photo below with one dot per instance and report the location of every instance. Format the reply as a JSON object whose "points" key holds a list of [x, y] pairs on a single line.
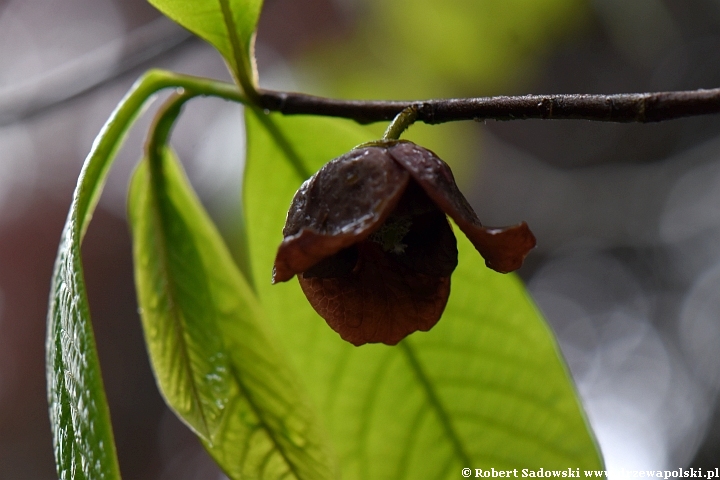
{"points": [[343, 203], [382, 301], [394, 282], [503, 249]]}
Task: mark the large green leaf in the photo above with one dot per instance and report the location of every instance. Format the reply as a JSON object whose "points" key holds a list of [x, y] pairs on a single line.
{"points": [[214, 361], [79, 416], [485, 388], [229, 25]]}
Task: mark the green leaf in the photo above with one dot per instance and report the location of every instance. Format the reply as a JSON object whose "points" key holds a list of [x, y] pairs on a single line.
{"points": [[79, 417], [228, 25], [484, 388], [216, 365], [79, 414]]}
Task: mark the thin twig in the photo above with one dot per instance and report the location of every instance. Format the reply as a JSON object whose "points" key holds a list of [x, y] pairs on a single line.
{"points": [[633, 107]]}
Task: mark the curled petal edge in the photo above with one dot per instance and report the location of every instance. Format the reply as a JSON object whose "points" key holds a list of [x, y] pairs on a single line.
{"points": [[503, 248]]}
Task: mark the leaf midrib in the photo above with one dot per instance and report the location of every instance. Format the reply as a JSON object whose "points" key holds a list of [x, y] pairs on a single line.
{"points": [[281, 140], [161, 238], [232, 33], [434, 401], [263, 423]]}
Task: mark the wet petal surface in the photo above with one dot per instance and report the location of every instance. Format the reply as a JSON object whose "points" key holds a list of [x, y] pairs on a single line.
{"points": [[344, 202]]}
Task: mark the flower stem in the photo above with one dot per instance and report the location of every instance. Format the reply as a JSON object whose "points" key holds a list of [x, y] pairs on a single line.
{"points": [[402, 122]]}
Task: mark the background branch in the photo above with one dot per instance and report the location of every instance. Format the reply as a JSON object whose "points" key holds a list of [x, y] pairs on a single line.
{"points": [[633, 107], [105, 63]]}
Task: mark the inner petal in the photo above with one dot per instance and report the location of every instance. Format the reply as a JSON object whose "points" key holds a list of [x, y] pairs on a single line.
{"points": [[380, 301]]}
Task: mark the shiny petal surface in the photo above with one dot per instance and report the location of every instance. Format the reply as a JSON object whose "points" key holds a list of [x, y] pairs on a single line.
{"points": [[343, 203]]}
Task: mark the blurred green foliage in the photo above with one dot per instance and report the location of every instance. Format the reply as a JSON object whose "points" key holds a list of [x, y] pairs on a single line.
{"points": [[420, 49]]}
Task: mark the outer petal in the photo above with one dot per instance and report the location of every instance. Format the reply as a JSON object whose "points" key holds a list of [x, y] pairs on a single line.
{"points": [[503, 249], [343, 203]]}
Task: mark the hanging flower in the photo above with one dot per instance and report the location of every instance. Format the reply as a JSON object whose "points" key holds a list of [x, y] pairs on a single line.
{"points": [[369, 240]]}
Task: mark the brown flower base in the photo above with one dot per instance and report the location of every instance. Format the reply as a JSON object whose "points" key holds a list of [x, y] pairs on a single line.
{"points": [[381, 301]]}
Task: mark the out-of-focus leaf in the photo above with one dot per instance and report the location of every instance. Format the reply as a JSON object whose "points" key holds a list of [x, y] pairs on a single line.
{"points": [[228, 25], [213, 359], [484, 388], [450, 48], [453, 48]]}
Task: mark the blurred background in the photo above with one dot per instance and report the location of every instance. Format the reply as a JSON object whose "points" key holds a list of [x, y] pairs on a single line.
{"points": [[627, 216]]}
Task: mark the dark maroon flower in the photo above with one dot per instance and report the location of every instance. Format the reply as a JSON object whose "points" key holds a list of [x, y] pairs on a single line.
{"points": [[369, 240]]}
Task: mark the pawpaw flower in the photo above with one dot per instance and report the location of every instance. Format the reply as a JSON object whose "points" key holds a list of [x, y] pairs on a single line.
{"points": [[370, 242]]}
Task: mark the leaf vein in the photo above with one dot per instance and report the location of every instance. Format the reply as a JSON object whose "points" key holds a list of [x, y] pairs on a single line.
{"points": [[403, 463], [164, 264], [263, 422], [435, 402], [229, 22], [369, 404]]}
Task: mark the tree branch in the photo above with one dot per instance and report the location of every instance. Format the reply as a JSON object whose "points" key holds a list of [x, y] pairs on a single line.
{"points": [[633, 107]]}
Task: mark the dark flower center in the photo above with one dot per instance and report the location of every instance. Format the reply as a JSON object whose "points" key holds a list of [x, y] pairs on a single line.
{"points": [[391, 234], [416, 235]]}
